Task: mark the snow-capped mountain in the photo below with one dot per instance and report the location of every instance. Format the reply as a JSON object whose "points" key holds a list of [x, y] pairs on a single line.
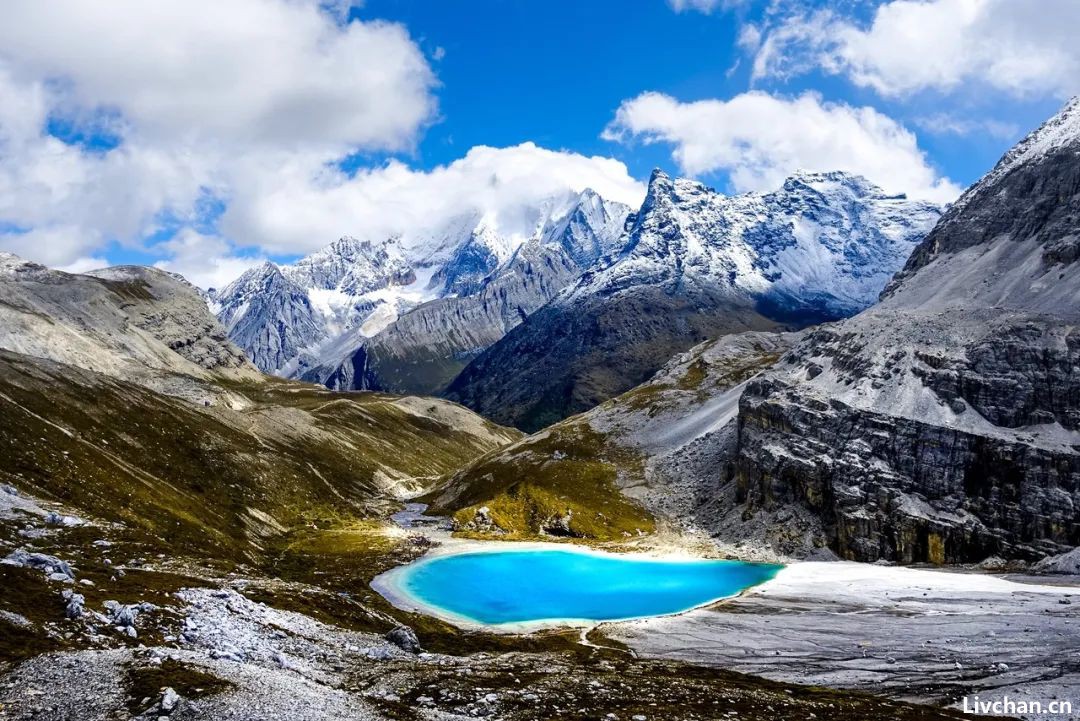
{"points": [[941, 424], [823, 244], [269, 316], [697, 264], [472, 279]]}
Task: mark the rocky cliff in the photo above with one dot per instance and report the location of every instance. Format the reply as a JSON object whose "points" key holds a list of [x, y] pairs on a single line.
{"points": [[943, 424]]}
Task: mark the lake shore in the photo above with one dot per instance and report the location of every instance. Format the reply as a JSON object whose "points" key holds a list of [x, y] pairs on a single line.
{"points": [[915, 634]]}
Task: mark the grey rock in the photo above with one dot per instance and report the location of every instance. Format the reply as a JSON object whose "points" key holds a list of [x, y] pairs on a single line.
{"points": [[50, 565], [169, 700], [944, 425], [1064, 563], [74, 604], [52, 518], [404, 638], [122, 615]]}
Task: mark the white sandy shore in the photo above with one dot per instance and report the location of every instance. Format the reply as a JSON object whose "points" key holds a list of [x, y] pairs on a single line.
{"points": [[915, 634]]}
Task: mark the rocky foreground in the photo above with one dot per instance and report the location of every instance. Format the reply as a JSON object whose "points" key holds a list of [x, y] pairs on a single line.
{"points": [[93, 631]]}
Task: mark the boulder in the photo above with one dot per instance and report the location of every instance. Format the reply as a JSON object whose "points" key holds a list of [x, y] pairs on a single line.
{"points": [[52, 566], [404, 638], [1064, 563]]}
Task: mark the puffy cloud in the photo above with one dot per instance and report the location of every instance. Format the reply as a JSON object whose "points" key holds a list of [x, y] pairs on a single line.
{"points": [[909, 45], [208, 261], [244, 72], [164, 104], [759, 139], [250, 104], [295, 211]]}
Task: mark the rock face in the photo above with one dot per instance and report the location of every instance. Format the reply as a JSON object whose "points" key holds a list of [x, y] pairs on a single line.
{"points": [[697, 265], [408, 314], [126, 321], [943, 424], [264, 293]]}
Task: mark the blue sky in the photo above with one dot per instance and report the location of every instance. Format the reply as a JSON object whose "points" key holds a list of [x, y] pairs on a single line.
{"points": [[555, 72], [267, 128]]}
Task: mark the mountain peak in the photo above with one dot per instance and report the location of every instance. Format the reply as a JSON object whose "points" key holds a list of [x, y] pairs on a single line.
{"points": [[14, 266], [658, 176], [1059, 131], [9, 262], [820, 180], [254, 277], [1030, 201]]}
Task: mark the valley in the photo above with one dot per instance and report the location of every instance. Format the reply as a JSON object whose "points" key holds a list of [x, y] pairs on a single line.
{"points": [[865, 404]]}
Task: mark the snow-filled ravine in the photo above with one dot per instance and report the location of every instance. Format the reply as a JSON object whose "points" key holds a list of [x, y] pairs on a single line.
{"points": [[519, 587]]}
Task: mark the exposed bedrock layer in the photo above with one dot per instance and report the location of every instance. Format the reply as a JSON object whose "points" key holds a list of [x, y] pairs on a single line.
{"points": [[943, 424]]}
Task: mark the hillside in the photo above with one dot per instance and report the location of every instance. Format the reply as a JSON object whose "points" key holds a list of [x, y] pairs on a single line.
{"points": [[943, 423], [121, 398], [654, 455]]}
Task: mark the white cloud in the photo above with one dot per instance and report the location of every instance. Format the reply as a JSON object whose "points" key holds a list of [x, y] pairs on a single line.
{"points": [[82, 265], [244, 72], [701, 6], [759, 139], [293, 211], [945, 124], [208, 261], [749, 38], [1023, 49], [201, 94], [250, 103]]}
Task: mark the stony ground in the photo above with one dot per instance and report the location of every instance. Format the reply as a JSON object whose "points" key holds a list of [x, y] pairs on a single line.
{"points": [[97, 626], [921, 635]]}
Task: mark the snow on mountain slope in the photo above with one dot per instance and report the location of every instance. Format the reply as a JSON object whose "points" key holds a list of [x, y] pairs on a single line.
{"points": [[943, 423], [657, 452], [823, 243], [310, 318], [697, 264]]}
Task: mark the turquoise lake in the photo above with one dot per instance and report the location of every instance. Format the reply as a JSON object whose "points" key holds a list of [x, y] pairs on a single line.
{"points": [[538, 586]]}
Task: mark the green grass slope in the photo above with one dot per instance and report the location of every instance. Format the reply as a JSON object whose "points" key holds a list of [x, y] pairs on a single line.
{"points": [[223, 476], [590, 475]]}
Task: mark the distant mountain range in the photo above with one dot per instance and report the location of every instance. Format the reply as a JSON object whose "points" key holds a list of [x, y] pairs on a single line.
{"points": [[696, 265], [617, 292], [408, 314]]}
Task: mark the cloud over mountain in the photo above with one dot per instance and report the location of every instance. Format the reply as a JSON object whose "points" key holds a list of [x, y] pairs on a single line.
{"points": [[759, 139]]}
